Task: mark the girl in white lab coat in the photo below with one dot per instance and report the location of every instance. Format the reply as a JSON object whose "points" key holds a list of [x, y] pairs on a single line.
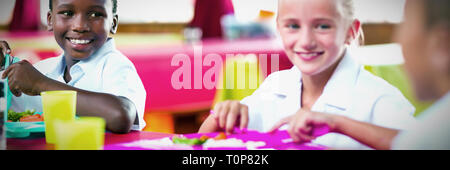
{"points": [[324, 78], [424, 36]]}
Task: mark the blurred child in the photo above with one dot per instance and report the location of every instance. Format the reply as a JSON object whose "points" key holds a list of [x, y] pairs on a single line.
{"points": [[324, 78], [106, 81], [424, 36]]}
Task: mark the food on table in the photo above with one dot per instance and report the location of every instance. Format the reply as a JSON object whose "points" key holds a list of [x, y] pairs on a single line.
{"points": [[220, 141], [32, 118], [26, 116], [220, 136], [197, 141], [233, 142], [204, 137], [190, 141], [183, 140]]}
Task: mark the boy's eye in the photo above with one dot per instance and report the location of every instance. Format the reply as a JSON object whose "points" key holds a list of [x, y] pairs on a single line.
{"points": [[66, 13], [96, 14]]}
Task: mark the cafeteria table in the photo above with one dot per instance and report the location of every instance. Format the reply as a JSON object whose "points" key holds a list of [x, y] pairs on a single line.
{"points": [[36, 141], [140, 140]]}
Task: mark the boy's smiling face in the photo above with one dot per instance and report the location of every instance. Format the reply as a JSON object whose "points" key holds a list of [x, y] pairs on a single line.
{"points": [[81, 27], [313, 33]]}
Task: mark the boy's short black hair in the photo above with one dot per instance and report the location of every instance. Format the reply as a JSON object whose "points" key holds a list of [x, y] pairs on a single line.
{"points": [[437, 11], [113, 1]]}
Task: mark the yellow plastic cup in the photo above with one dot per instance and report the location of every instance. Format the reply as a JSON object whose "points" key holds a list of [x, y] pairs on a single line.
{"points": [[85, 133], [57, 105]]}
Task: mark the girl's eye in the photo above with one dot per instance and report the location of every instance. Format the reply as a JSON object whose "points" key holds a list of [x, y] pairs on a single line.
{"points": [[293, 26], [323, 26]]}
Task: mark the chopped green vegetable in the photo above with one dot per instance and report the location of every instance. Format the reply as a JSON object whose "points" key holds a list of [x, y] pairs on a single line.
{"points": [[15, 116], [183, 140]]}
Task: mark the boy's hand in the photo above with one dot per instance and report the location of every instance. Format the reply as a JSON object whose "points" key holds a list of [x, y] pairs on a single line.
{"points": [[23, 77], [229, 114], [4, 49], [304, 125]]}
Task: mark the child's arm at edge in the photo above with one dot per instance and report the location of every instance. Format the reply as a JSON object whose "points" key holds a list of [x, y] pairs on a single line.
{"points": [[302, 123], [371, 135]]}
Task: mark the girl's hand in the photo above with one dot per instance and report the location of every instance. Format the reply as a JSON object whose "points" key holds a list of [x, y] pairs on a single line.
{"points": [[23, 77], [229, 114], [4, 49], [304, 124]]}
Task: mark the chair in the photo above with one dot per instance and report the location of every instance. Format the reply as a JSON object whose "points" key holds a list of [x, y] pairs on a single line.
{"points": [[241, 76], [395, 75]]}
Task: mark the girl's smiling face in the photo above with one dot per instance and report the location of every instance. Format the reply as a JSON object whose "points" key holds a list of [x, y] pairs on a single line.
{"points": [[314, 33], [81, 27]]}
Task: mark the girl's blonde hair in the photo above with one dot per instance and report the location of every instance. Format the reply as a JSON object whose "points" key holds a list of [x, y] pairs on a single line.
{"points": [[347, 10]]}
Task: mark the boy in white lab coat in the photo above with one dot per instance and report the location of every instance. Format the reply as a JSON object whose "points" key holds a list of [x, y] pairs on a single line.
{"points": [[105, 80]]}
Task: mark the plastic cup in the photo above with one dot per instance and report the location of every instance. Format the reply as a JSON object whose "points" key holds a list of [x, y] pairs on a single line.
{"points": [[85, 133], [57, 105]]}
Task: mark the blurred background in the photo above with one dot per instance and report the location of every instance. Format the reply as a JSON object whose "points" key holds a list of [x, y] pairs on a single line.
{"points": [[151, 32]]}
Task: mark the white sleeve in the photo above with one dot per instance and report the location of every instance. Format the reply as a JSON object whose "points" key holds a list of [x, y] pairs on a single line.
{"points": [[254, 116], [431, 132], [26, 102], [257, 103], [121, 79], [393, 111]]}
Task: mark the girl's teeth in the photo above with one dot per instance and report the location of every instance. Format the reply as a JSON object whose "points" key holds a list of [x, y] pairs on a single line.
{"points": [[309, 55]]}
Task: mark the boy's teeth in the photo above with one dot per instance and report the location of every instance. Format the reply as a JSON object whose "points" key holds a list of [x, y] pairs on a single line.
{"points": [[76, 41]]}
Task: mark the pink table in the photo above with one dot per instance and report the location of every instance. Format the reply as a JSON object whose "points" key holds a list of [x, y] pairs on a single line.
{"points": [[37, 141], [115, 141]]}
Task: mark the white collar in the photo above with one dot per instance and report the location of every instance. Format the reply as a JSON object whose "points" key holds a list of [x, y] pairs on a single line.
{"points": [[89, 63], [337, 91]]}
